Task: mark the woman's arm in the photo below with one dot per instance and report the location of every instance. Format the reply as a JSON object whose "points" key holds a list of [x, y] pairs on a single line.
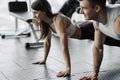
{"points": [[61, 29], [47, 45]]}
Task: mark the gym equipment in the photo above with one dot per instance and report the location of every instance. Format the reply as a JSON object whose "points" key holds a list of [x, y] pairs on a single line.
{"points": [[69, 7], [17, 6], [16, 36], [34, 45]]}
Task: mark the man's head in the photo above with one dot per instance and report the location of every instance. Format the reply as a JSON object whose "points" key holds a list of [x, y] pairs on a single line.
{"points": [[91, 8]]}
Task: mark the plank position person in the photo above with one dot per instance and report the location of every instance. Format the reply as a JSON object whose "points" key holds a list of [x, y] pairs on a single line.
{"points": [[106, 21]]}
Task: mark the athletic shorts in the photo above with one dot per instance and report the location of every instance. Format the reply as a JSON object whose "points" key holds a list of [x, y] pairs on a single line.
{"points": [[87, 30]]}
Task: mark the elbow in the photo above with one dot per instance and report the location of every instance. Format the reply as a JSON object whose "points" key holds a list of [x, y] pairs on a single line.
{"points": [[98, 45], [98, 48], [64, 42], [47, 43], [65, 49]]}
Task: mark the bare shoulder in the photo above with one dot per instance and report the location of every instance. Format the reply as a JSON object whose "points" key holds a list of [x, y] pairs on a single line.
{"points": [[59, 17], [58, 20], [62, 20]]}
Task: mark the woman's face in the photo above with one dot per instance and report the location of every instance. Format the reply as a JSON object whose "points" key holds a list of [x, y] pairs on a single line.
{"points": [[38, 15]]}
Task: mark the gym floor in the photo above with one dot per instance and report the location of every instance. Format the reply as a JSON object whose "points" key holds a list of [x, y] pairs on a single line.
{"points": [[16, 60]]}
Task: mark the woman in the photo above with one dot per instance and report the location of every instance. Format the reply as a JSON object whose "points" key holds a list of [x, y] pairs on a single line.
{"points": [[59, 25], [52, 23]]}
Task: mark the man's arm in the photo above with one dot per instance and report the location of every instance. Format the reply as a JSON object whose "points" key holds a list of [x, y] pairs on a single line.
{"points": [[117, 25], [97, 51]]}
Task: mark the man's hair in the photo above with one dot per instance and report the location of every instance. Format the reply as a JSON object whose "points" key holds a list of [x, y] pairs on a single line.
{"points": [[102, 3]]}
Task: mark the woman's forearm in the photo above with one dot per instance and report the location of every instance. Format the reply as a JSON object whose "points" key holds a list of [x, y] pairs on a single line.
{"points": [[65, 50], [47, 45]]}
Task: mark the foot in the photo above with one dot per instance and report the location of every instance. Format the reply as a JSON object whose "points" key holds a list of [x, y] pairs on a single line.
{"points": [[63, 74], [91, 77], [39, 62]]}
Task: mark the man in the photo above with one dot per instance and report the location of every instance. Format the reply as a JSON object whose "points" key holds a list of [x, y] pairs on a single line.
{"points": [[106, 21]]}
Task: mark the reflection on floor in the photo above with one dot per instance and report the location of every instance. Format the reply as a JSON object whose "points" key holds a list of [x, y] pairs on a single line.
{"points": [[16, 61]]}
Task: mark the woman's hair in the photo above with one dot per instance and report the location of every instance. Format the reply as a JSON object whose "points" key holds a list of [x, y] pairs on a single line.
{"points": [[44, 6], [102, 3]]}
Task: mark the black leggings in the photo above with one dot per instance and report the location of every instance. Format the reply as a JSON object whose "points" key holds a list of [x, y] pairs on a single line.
{"points": [[87, 31]]}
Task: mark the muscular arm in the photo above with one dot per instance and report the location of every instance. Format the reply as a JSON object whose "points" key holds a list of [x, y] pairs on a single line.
{"points": [[117, 25], [98, 51]]}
